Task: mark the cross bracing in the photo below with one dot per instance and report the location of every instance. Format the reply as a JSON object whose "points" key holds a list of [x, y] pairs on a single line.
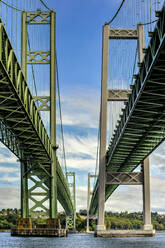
{"points": [[141, 128], [22, 129]]}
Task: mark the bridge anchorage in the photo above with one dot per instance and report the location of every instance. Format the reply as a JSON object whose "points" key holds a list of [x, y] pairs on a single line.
{"points": [[23, 132], [140, 130]]}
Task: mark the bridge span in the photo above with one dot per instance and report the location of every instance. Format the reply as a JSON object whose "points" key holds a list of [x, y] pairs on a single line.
{"points": [[141, 127], [22, 131]]}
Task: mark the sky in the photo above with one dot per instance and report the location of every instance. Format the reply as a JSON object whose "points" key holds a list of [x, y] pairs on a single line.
{"points": [[79, 47]]}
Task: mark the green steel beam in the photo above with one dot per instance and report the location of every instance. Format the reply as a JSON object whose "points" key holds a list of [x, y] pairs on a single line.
{"points": [[24, 190]]}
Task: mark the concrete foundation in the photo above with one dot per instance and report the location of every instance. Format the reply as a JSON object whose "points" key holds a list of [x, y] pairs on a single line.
{"points": [[124, 233], [39, 232], [52, 228], [100, 228], [147, 227]]}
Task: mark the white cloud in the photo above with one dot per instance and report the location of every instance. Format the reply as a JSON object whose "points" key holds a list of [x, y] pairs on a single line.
{"points": [[81, 198], [157, 158], [9, 160], [125, 198], [6, 156], [81, 109], [129, 198], [81, 152], [8, 169], [10, 179], [10, 198], [78, 109]]}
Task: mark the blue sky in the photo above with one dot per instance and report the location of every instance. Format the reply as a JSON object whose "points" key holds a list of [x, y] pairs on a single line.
{"points": [[79, 45]]}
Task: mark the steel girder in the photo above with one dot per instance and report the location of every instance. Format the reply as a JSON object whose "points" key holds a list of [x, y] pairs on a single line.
{"points": [[21, 126], [141, 128]]}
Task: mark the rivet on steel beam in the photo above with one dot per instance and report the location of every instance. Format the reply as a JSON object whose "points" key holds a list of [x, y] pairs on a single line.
{"points": [[145, 50], [55, 147], [140, 64], [157, 13], [135, 76], [150, 34]]}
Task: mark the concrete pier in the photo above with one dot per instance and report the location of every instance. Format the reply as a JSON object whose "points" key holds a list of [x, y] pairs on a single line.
{"points": [[124, 233]]}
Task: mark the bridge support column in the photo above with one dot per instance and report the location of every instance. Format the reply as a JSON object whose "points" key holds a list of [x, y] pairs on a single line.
{"points": [[146, 195], [88, 199], [24, 191], [53, 188], [103, 127], [53, 197], [145, 166]]}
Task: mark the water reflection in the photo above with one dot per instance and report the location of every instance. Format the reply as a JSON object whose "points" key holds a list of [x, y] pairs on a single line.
{"points": [[81, 241]]}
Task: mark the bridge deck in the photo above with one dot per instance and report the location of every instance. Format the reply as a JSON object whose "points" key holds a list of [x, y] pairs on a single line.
{"points": [[21, 126], [141, 128]]}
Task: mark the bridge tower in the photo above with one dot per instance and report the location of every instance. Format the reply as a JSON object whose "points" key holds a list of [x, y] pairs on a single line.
{"points": [[71, 219], [28, 168], [118, 95], [88, 199]]}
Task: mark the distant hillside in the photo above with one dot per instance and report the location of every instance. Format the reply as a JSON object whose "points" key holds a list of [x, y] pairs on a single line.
{"points": [[122, 220]]}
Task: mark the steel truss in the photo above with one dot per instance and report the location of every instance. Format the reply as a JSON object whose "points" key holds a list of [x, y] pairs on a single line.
{"points": [[71, 219]]}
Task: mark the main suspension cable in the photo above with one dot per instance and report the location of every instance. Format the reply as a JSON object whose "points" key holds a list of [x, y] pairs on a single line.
{"points": [[147, 23], [45, 5], [134, 65], [11, 6], [116, 12], [17, 9]]}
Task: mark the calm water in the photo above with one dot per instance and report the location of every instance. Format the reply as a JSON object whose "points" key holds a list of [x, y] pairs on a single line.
{"points": [[82, 241]]}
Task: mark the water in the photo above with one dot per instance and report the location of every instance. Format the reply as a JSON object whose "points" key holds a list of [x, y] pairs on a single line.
{"points": [[82, 241]]}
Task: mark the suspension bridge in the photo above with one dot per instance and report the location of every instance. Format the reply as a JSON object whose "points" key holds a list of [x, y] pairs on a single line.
{"points": [[140, 129], [43, 181], [25, 115]]}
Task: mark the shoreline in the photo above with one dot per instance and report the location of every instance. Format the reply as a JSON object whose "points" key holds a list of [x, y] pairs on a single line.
{"points": [[90, 232], [4, 230]]}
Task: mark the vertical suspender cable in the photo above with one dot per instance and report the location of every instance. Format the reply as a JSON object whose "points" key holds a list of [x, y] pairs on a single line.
{"points": [[62, 132], [33, 75], [97, 150]]}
